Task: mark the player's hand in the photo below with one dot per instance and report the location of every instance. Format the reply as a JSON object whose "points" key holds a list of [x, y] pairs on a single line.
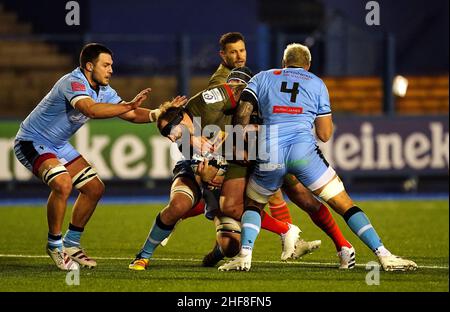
{"points": [[176, 102], [206, 172], [140, 98]]}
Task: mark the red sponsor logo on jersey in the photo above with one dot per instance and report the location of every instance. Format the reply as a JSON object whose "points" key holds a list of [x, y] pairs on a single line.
{"points": [[77, 86], [287, 110], [277, 72]]}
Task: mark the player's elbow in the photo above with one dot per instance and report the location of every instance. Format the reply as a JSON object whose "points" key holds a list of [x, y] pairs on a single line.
{"points": [[324, 134], [323, 137]]}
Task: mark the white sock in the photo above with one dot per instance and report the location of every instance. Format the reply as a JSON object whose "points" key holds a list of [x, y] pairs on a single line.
{"points": [[245, 251], [382, 251]]}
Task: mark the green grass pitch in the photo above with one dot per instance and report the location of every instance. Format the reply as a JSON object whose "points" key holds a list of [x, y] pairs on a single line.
{"points": [[418, 230]]}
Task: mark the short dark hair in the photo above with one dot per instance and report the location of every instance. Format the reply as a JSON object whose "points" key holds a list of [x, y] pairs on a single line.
{"points": [[230, 37], [90, 53]]}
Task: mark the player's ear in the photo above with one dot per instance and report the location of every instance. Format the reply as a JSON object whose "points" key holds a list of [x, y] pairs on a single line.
{"points": [[222, 55], [89, 66]]}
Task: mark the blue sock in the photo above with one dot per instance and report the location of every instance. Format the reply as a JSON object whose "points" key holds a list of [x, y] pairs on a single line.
{"points": [[157, 234], [360, 225], [218, 253], [55, 241], [251, 224], [73, 236]]}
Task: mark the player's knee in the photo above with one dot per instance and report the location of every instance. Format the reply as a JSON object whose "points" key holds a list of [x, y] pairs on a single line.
{"points": [[177, 208], [94, 189], [305, 200], [62, 185]]}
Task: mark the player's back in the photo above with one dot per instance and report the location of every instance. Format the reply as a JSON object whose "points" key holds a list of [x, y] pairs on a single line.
{"points": [[291, 99]]}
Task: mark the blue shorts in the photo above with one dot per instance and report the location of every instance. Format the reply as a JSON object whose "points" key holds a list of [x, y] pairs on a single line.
{"points": [[28, 152], [304, 160]]}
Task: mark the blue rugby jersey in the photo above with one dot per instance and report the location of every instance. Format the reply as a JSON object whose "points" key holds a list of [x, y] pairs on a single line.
{"points": [[291, 99], [55, 120]]}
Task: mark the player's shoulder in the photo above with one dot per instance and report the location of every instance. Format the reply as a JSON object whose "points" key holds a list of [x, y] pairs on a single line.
{"points": [[272, 73], [108, 89], [314, 81], [269, 72], [316, 78], [76, 75], [74, 80], [262, 76]]}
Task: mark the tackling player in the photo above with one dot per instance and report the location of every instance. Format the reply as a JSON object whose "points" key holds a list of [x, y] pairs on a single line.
{"points": [[214, 107], [294, 100], [234, 54]]}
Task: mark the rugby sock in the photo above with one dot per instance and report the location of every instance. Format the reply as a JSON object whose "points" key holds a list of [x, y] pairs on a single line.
{"points": [[196, 210], [217, 252], [73, 236], [251, 224], [273, 225], [281, 212], [55, 241], [360, 225], [324, 220], [382, 251], [157, 234]]}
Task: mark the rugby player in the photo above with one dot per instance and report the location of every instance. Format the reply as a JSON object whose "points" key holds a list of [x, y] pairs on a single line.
{"points": [[293, 99], [42, 146], [214, 107], [233, 54]]}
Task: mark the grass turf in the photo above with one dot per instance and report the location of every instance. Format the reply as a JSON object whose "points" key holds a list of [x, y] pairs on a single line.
{"points": [[413, 229]]}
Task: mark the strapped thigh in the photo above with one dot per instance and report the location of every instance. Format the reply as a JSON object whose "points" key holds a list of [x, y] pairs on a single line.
{"points": [[48, 175], [185, 190], [83, 177], [227, 225]]}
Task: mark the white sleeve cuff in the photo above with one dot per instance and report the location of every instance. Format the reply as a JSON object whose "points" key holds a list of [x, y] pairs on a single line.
{"points": [[77, 98]]}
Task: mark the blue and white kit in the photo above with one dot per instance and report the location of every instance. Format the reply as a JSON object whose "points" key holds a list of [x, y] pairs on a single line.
{"points": [[48, 128]]}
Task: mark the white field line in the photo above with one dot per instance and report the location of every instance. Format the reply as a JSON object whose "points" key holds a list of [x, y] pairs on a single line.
{"points": [[299, 262]]}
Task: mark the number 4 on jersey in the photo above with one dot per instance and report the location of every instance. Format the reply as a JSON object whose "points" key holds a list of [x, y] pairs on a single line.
{"points": [[294, 91]]}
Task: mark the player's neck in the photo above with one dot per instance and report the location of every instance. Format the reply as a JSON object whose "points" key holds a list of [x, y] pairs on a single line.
{"points": [[95, 86]]}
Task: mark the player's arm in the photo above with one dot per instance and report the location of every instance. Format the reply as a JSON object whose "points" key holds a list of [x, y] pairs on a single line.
{"points": [[324, 127], [244, 110], [323, 122], [145, 115], [91, 109]]}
